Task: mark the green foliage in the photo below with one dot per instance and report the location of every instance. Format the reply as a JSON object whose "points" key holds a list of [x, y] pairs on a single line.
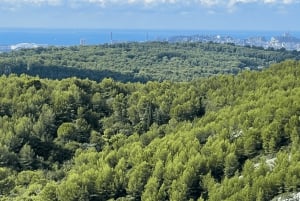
{"points": [[7, 182], [218, 138], [139, 62], [26, 157]]}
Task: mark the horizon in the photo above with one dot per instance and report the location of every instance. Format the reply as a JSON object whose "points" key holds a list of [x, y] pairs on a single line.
{"points": [[147, 29], [70, 37]]}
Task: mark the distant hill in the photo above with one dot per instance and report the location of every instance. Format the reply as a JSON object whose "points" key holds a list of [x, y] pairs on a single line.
{"points": [[141, 61]]}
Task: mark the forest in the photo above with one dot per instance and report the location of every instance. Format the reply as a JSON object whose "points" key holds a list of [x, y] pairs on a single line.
{"points": [[225, 137], [141, 62]]}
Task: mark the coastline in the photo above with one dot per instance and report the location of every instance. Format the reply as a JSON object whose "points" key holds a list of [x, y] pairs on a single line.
{"points": [[70, 37]]}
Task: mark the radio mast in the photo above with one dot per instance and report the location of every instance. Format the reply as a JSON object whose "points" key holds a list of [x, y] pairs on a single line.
{"points": [[111, 37]]}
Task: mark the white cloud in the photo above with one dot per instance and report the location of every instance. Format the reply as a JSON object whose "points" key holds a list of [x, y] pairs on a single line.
{"points": [[288, 1], [270, 1], [210, 3], [193, 3], [233, 3], [144, 3], [32, 2], [188, 2]]}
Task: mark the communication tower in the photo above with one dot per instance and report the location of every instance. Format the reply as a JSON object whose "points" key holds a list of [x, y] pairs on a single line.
{"points": [[82, 41], [111, 37]]}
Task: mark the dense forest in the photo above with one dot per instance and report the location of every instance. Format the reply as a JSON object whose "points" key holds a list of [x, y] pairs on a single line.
{"points": [[226, 137], [141, 62]]}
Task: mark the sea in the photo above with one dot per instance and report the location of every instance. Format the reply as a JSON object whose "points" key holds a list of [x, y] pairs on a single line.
{"points": [[71, 37]]}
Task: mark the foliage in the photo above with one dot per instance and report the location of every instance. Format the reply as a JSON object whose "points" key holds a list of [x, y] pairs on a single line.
{"points": [[219, 138], [140, 62]]}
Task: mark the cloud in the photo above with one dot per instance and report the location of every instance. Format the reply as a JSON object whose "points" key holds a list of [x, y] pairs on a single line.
{"points": [[18, 3], [288, 1], [182, 2], [143, 3], [233, 5]]}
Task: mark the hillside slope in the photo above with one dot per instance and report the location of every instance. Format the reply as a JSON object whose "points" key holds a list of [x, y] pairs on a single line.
{"points": [[219, 138]]}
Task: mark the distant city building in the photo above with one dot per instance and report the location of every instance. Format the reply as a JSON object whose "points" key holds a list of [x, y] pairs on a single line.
{"points": [[277, 42], [4, 48], [82, 41], [26, 46]]}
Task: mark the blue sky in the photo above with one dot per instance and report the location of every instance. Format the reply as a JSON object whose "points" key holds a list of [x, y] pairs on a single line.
{"points": [[281, 15]]}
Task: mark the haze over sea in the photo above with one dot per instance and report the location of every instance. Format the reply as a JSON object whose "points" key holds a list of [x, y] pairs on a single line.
{"points": [[69, 37]]}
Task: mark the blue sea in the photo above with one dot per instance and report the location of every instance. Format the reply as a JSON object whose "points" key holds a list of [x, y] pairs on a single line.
{"points": [[69, 37]]}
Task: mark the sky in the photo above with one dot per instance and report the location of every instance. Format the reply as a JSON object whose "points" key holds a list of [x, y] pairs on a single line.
{"points": [[279, 15]]}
